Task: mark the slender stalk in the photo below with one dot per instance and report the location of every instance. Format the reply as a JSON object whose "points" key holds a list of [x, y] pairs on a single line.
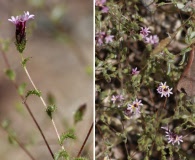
{"points": [[42, 100], [20, 145], [27, 106], [86, 138]]}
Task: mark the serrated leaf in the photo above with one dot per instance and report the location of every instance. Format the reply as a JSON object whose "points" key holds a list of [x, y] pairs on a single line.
{"points": [[21, 88], [33, 92], [11, 74], [69, 135], [61, 154], [50, 109], [78, 116], [25, 61]]}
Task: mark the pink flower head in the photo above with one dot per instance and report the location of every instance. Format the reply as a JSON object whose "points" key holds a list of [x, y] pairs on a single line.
{"points": [[20, 22], [135, 106], [118, 99], [104, 9], [144, 32], [172, 137], [164, 90], [99, 37], [134, 71], [109, 38], [153, 39], [100, 3]]}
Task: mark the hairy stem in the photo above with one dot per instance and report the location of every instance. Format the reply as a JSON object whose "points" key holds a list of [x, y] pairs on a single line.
{"points": [[27, 106], [42, 100]]}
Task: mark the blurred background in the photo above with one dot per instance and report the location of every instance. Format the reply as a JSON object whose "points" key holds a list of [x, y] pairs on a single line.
{"points": [[60, 42]]}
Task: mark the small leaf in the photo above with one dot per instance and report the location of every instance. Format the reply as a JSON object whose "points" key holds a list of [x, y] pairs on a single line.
{"points": [[5, 124], [21, 89], [69, 135], [50, 109], [25, 61], [34, 92], [51, 98], [78, 116], [61, 154], [11, 74]]}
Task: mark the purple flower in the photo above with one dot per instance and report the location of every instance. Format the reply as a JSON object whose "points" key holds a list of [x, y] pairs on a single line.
{"points": [[102, 37], [104, 9], [144, 32], [153, 39], [118, 99], [164, 90], [134, 71], [135, 107], [172, 137], [100, 3], [109, 38], [20, 23], [99, 37]]}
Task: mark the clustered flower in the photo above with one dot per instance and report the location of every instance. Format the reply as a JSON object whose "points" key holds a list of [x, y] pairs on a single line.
{"points": [[134, 71], [20, 23], [101, 37], [118, 99], [164, 90], [134, 108], [172, 137], [152, 39], [102, 6]]}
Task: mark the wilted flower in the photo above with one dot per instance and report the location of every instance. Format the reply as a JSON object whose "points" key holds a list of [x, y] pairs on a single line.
{"points": [[20, 22], [135, 106], [144, 32], [134, 71], [164, 90], [172, 137]]}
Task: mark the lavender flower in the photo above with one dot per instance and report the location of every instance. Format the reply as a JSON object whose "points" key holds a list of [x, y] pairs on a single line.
{"points": [[101, 4], [102, 37], [20, 23], [135, 107], [109, 38], [118, 99], [164, 90], [134, 71], [172, 137], [144, 32], [153, 40], [99, 37]]}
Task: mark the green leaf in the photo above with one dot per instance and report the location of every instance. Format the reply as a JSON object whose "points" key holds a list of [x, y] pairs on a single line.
{"points": [[34, 92], [21, 88], [51, 99], [5, 124], [78, 116], [11, 74], [61, 154], [50, 109], [69, 135], [25, 61]]}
